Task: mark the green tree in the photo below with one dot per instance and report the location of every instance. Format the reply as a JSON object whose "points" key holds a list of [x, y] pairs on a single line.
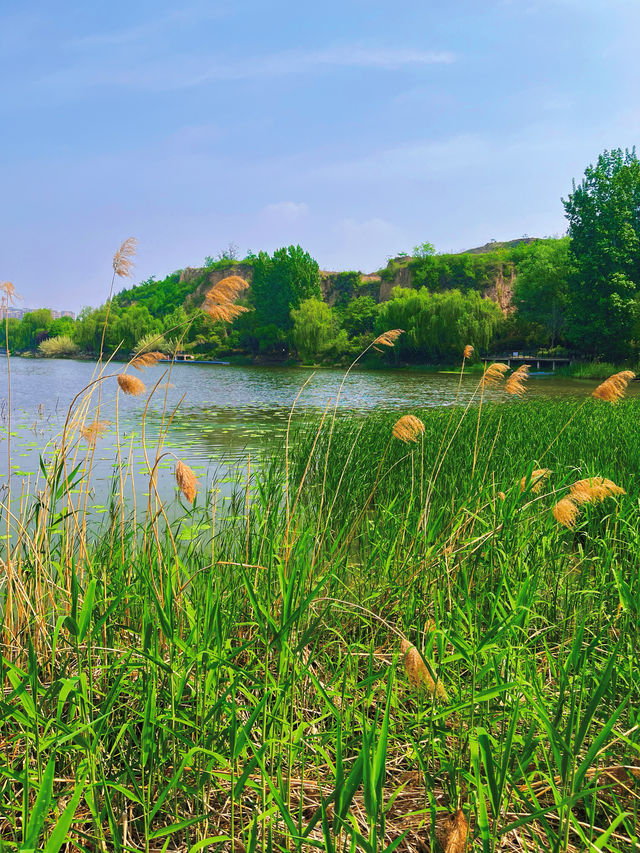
{"points": [[359, 315], [280, 283], [314, 328], [541, 289], [604, 229], [35, 327]]}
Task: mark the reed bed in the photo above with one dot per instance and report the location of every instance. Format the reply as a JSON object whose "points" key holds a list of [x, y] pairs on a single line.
{"points": [[386, 641]]}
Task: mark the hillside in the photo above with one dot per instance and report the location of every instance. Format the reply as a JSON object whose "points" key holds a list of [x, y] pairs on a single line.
{"points": [[490, 269]]}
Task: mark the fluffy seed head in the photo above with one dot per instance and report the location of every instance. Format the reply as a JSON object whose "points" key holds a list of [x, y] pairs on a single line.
{"points": [[494, 374], [417, 672], [123, 258], [515, 383], [613, 388], [9, 293], [468, 351], [408, 428], [454, 834], [566, 512], [186, 480], [95, 429], [131, 384], [538, 479], [388, 339], [594, 490], [146, 359], [220, 298]]}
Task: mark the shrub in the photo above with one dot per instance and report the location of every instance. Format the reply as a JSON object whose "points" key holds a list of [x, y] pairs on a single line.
{"points": [[60, 347]]}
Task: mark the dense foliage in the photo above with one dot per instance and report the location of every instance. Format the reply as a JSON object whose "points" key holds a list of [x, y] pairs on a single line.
{"points": [[577, 294]]}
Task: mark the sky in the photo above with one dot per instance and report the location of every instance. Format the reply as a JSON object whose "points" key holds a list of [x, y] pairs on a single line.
{"points": [[356, 128]]}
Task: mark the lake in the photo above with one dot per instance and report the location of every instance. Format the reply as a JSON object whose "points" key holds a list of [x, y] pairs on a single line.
{"points": [[226, 414]]}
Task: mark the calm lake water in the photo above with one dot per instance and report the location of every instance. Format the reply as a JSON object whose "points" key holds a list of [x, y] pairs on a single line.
{"points": [[225, 415]]}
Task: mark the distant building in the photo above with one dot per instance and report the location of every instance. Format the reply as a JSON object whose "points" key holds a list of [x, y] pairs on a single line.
{"points": [[18, 313]]}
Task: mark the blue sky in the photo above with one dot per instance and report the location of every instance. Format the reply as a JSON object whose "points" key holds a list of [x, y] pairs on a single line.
{"points": [[356, 128]]}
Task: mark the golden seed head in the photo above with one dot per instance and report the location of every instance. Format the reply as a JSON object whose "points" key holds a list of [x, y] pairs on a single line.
{"points": [[146, 359], [186, 480], [131, 384], [494, 374], [468, 351], [613, 388], [123, 258], [502, 496], [9, 292], [417, 672], [94, 430], [566, 512], [408, 428], [594, 490], [538, 479], [515, 383], [454, 833], [388, 339], [220, 298]]}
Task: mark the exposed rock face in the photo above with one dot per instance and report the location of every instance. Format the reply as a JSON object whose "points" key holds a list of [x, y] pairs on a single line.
{"points": [[501, 291]]}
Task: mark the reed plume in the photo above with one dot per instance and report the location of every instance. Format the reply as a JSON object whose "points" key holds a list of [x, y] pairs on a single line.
{"points": [[613, 388], [417, 672], [10, 294], [566, 512], [515, 383], [131, 384], [123, 258], [146, 359], [93, 432], [186, 480], [219, 300], [388, 339], [454, 834], [494, 374], [594, 490], [468, 351], [538, 478], [408, 428]]}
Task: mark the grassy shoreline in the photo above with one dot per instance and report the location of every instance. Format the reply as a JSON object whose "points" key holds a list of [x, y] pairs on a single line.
{"points": [[377, 645]]}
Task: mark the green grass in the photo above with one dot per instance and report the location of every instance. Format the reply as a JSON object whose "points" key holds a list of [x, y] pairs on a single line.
{"points": [[235, 681]]}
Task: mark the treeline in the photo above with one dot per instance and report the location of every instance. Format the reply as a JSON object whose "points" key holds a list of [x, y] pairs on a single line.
{"points": [[578, 294]]}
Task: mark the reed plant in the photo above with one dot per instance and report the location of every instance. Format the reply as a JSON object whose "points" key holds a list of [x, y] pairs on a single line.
{"points": [[385, 641]]}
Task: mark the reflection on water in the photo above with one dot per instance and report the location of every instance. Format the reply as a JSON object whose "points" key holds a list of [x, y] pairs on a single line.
{"points": [[225, 413]]}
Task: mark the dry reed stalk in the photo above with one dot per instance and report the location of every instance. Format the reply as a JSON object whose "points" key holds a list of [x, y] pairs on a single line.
{"points": [[95, 429], [186, 480], [408, 428], [123, 258], [146, 359], [594, 490], [613, 388], [468, 351], [566, 512], [515, 383], [219, 300], [131, 384], [388, 339], [494, 374], [417, 672], [538, 478]]}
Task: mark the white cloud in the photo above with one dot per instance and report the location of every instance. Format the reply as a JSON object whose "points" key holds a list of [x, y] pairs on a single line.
{"points": [[286, 211], [186, 71]]}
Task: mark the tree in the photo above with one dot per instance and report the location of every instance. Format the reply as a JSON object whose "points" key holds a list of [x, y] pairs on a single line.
{"points": [[541, 288], [604, 230], [280, 283], [358, 316], [314, 328]]}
